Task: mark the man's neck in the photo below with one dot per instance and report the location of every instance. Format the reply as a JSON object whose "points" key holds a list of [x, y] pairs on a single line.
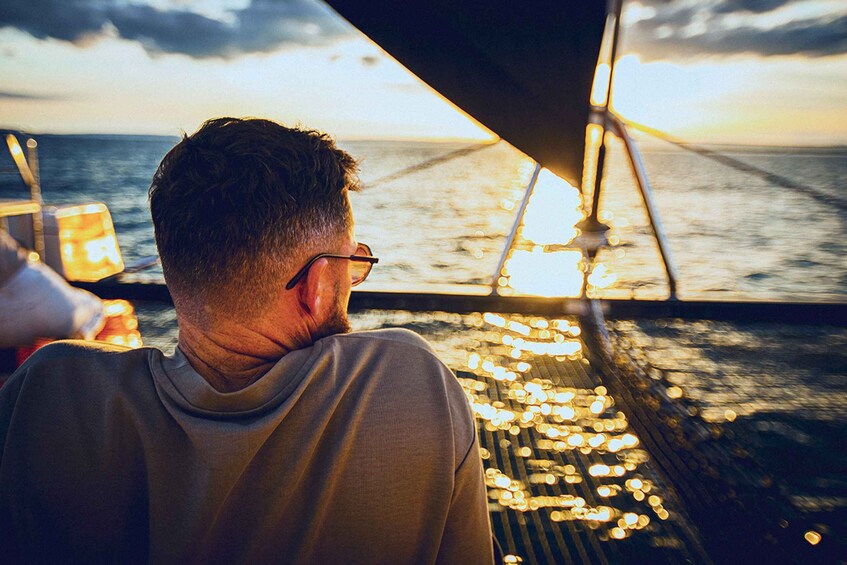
{"points": [[233, 357]]}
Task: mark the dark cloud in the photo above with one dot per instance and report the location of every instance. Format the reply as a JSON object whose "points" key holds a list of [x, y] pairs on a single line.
{"points": [[685, 27], [701, 29], [26, 96], [370, 60], [754, 6], [69, 21], [262, 26]]}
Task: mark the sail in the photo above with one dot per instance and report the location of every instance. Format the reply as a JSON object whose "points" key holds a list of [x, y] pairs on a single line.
{"points": [[524, 70]]}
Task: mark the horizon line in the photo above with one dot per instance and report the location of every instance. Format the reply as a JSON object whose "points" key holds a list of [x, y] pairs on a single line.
{"points": [[645, 138], [401, 138]]}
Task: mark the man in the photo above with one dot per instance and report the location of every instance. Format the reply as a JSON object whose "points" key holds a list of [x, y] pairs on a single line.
{"points": [[272, 434]]}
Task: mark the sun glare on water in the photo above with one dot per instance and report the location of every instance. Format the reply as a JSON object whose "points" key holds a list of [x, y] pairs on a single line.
{"points": [[543, 260]]}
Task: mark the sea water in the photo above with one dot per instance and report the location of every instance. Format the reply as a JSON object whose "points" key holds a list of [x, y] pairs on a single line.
{"points": [[729, 232]]}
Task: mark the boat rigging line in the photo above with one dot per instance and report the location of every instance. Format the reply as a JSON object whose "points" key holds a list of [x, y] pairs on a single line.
{"points": [[728, 161], [429, 163]]}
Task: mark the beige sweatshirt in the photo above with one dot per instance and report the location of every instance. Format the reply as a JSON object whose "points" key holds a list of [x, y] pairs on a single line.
{"points": [[359, 449]]}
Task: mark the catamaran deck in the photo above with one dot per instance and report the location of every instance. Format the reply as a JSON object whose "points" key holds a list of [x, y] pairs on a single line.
{"points": [[569, 481]]}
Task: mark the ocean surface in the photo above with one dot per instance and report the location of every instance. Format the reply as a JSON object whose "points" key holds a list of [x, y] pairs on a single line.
{"points": [[440, 213]]}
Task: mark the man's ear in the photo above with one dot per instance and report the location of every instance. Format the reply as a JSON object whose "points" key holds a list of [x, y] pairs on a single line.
{"points": [[309, 291]]}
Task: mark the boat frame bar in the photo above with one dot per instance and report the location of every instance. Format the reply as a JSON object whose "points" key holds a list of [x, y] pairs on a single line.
{"points": [[463, 299], [602, 115], [617, 127], [27, 166], [530, 187]]}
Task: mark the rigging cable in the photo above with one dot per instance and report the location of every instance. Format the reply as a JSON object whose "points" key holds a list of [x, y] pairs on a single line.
{"points": [[437, 160], [742, 166]]}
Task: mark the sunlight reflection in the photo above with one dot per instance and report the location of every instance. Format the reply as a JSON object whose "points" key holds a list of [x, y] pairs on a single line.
{"points": [[557, 449], [600, 88], [544, 260], [545, 274], [551, 444], [552, 213], [600, 277], [541, 263], [593, 136]]}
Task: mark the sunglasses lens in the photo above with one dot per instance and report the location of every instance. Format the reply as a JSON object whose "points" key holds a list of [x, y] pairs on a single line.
{"points": [[359, 269]]}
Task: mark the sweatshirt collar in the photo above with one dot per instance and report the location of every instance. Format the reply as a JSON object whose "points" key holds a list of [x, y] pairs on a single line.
{"points": [[187, 388]]}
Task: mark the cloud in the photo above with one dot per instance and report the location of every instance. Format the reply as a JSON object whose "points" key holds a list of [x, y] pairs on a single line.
{"points": [[754, 6], [4, 94], [261, 26], [68, 21], [665, 27], [728, 27]]}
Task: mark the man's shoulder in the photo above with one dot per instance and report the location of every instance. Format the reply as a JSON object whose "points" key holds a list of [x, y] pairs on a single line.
{"points": [[392, 346], [65, 380], [78, 350], [399, 359], [388, 337], [81, 358], [416, 389]]}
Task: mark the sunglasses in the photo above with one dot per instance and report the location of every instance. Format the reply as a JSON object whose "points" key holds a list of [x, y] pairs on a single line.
{"points": [[361, 264]]}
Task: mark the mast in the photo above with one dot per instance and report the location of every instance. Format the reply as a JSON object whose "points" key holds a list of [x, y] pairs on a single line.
{"points": [[593, 231]]}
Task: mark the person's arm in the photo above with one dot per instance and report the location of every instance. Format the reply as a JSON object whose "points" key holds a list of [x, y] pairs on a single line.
{"points": [[38, 302], [12, 257]]}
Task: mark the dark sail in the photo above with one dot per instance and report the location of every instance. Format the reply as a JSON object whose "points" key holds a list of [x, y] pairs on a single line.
{"points": [[524, 70]]}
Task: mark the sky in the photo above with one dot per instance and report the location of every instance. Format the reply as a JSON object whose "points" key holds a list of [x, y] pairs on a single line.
{"points": [[730, 71]]}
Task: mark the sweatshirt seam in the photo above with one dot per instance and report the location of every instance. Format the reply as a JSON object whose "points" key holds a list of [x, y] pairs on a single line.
{"points": [[469, 450]]}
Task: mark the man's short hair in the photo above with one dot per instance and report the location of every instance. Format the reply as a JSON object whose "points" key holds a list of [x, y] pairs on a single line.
{"points": [[239, 204]]}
